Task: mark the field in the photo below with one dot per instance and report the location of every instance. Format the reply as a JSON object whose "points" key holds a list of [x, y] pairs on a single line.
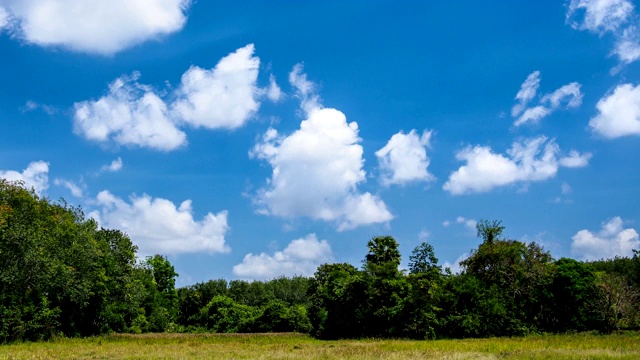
{"points": [[297, 346]]}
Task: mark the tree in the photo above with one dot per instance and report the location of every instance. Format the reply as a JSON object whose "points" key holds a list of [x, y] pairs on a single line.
{"points": [[384, 257], [59, 274], [386, 287], [162, 303], [222, 314], [423, 260], [518, 274], [338, 298], [573, 288], [616, 302], [489, 231], [420, 307]]}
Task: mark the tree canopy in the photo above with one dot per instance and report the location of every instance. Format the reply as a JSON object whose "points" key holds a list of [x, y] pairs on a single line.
{"points": [[61, 274]]}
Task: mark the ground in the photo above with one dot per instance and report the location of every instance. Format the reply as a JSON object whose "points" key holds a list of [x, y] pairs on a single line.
{"points": [[297, 346]]}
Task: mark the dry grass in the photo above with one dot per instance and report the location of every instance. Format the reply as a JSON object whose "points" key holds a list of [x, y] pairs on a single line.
{"points": [[297, 346]]}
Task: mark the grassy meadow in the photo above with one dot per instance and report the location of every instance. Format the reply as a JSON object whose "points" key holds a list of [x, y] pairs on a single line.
{"points": [[297, 346]]}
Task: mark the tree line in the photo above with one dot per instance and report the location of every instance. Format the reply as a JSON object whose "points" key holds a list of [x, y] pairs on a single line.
{"points": [[63, 275]]}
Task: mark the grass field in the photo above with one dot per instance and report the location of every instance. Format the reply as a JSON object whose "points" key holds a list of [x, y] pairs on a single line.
{"points": [[297, 346]]}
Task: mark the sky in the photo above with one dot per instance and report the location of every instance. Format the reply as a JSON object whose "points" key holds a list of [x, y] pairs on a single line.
{"points": [[251, 140]]}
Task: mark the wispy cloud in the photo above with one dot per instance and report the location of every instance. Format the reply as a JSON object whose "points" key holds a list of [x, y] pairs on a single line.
{"points": [[565, 97]]}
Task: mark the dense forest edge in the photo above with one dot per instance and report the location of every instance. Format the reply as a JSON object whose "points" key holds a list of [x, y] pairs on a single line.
{"points": [[63, 275]]}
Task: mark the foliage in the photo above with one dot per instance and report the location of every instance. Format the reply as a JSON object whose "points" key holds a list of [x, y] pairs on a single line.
{"points": [[62, 275]]}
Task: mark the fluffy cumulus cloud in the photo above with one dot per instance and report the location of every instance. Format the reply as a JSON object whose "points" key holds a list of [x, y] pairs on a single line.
{"points": [[612, 240], [133, 114], [609, 16], [94, 26], [158, 225], [618, 113], [317, 168], [534, 159], [565, 97], [130, 114], [35, 176], [223, 97], [404, 158], [301, 257]]}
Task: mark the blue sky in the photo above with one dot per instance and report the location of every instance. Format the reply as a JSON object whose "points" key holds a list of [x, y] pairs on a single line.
{"points": [[257, 139]]}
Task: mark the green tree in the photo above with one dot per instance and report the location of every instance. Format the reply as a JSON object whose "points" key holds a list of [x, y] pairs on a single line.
{"points": [[338, 298], [386, 287], [224, 315], [573, 288], [420, 308], [518, 274], [616, 303], [489, 231], [158, 276]]}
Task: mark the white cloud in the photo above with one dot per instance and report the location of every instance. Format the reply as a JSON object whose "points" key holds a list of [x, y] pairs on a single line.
{"points": [[565, 97], [316, 169], [306, 90], [455, 267], [71, 186], [468, 223], [627, 46], [565, 191], [619, 113], [527, 92], [274, 93], [35, 176], [575, 160], [612, 240], [116, 165], [599, 16], [300, 257], [532, 115], [404, 158], [130, 114], [614, 16], [4, 18], [158, 226], [223, 97], [568, 96], [102, 27], [534, 159], [424, 235], [31, 105]]}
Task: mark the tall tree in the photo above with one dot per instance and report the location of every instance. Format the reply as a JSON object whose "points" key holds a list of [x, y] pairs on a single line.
{"points": [[489, 231], [386, 287]]}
